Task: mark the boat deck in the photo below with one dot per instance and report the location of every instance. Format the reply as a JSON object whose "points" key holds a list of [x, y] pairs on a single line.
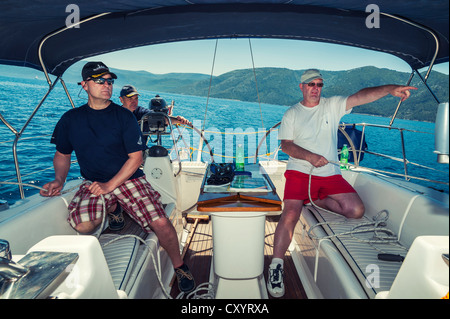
{"points": [[199, 256], [131, 228]]}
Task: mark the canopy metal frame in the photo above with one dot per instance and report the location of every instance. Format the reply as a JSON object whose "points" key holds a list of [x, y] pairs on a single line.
{"points": [[52, 84]]}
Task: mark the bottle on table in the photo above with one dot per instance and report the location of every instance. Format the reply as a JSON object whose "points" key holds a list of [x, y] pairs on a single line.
{"points": [[240, 160]]}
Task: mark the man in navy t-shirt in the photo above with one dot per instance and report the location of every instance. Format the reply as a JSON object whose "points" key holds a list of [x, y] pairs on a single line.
{"points": [[108, 144], [116, 135]]}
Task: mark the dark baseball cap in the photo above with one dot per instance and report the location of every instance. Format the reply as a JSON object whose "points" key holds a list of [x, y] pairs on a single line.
{"points": [[95, 70], [128, 91]]}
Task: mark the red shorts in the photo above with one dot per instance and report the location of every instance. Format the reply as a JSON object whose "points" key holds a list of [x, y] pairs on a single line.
{"points": [[297, 186], [136, 197]]}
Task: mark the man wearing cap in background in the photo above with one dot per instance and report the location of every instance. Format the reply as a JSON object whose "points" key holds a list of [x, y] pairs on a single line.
{"points": [[108, 144], [308, 134], [129, 97]]}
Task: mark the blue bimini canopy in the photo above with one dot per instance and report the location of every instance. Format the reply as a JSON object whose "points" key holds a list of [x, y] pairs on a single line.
{"points": [[34, 33]]}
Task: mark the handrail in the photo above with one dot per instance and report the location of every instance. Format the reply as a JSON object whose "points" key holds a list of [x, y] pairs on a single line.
{"points": [[19, 134], [401, 101], [436, 40], [51, 84], [404, 160], [202, 140], [262, 140], [41, 44], [359, 152], [436, 51]]}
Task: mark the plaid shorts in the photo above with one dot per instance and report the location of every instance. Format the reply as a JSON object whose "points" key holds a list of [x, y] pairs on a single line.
{"points": [[136, 197]]}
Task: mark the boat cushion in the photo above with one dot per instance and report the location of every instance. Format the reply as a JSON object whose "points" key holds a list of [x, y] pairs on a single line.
{"points": [[120, 256], [141, 256], [360, 254]]}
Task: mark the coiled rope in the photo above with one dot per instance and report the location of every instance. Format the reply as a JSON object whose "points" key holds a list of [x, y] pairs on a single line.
{"points": [[382, 235]]}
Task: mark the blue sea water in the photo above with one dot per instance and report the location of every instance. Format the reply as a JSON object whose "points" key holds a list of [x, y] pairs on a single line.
{"points": [[19, 97]]}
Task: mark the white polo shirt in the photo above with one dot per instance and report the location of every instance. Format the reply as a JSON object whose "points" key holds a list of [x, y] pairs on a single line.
{"points": [[314, 129]]}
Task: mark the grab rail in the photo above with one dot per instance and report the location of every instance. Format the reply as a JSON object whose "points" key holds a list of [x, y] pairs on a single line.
{"points": [[358, 152]]}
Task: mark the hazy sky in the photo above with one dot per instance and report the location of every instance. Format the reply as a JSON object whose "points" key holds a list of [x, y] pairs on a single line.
{"points": [[232, 54]]}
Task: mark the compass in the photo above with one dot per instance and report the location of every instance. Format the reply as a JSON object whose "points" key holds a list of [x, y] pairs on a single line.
{"points": [[156, 173]]}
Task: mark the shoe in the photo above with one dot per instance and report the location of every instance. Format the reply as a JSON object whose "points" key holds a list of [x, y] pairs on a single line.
{"points": [[186, 282], [116, 220], [275, 284]]}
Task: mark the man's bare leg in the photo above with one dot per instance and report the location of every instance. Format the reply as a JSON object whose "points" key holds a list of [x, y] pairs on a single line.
{"points": [[349, 205]]}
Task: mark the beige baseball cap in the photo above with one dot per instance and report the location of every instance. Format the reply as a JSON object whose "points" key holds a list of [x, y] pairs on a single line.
{"points": [[310, 75]]}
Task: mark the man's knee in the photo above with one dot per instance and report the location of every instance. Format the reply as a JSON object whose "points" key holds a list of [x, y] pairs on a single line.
{"points": [[351, 205], [161, 225], [292, 210], [87, 227], [356, 211]]}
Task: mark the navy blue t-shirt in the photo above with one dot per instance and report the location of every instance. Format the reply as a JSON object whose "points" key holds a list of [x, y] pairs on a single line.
{"points": [[101, 139], [139, 113]]}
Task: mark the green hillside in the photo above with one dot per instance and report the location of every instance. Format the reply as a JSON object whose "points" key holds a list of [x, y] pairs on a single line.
{"points": [[280, 86]]}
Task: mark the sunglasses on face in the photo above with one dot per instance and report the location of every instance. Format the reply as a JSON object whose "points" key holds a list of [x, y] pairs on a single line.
{"points": [[102, 81], [312, 84]]}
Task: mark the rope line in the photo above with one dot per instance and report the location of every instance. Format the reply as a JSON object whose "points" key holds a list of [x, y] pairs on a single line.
{"points": [[382, 235], [210, 84]]}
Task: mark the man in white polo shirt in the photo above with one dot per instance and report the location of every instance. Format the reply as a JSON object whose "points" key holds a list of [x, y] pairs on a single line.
{"points": [[308, 134]]}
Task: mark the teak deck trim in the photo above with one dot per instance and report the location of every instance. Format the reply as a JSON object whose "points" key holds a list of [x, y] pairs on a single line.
{"points": [[199, 257]]}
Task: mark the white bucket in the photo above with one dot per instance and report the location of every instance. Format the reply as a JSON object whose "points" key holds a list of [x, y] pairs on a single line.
{"points": [[238, 244]]}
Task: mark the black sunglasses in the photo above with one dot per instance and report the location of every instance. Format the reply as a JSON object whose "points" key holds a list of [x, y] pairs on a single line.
{"points": [[102, 81], [312, 84]]}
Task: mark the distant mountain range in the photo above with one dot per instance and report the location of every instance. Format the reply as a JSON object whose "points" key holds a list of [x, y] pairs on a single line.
{"points": [[280, 86]]}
